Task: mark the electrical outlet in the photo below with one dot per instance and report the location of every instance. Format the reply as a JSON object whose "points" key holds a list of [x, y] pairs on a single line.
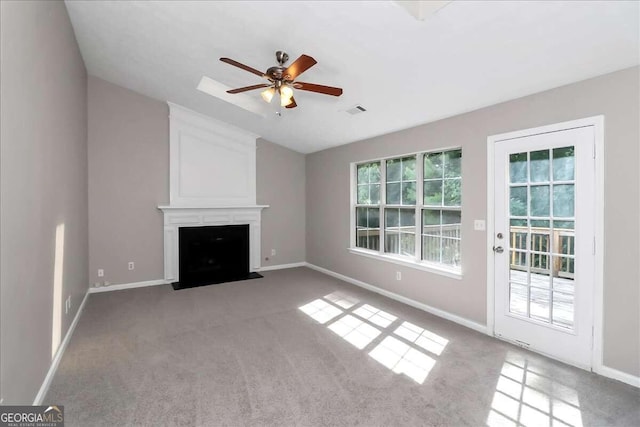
{"points": [[273, 252], [100, 272], [106, 283], [479, 225], [132, 265], [398, 275]]}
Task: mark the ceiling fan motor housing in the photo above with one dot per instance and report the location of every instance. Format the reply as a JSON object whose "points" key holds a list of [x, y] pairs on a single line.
{"points": [[281, 57], [275, 73]]}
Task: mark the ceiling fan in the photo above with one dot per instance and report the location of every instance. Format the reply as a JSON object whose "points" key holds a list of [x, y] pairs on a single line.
{"points": [[283, 80]]}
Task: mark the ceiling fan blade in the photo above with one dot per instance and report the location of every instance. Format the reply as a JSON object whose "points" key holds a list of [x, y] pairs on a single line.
{"points": [[301, 65], [293, 104], [327, 90], [244, 67], [246, 88]]}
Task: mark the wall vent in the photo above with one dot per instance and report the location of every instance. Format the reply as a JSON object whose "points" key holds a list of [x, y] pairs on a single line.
{"points": [[356, 110]]}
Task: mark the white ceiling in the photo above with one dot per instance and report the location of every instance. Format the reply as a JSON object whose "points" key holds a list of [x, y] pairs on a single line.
{"points": [[403, 71]]}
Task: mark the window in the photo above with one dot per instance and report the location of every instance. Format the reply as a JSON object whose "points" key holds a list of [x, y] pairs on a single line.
{"points": [[441, 212], [415, 203], [368, 206]]}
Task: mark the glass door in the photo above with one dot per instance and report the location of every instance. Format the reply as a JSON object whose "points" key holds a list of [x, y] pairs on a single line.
{"points": [[544, 259]]}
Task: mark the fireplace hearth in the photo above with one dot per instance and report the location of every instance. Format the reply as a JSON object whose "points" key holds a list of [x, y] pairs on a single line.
{"points": [[213, 254]]}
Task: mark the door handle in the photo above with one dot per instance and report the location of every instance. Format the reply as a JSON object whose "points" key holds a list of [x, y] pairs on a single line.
{"points": [[498, 249]]}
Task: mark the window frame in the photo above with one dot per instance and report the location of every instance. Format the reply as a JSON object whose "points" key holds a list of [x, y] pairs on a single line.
{"points": [[415, 261], [356, 205]]}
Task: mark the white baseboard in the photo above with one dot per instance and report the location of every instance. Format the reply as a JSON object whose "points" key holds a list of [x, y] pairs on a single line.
{"points": [[282, 266], [615, 374], [44, 388], [424, 307], [110, 288]]}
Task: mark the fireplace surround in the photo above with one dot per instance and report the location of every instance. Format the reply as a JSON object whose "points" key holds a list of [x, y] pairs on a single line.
{"points": [[212, 182]]}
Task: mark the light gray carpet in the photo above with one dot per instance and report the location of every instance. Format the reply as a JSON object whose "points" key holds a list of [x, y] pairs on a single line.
{"points": [[244, 353]]}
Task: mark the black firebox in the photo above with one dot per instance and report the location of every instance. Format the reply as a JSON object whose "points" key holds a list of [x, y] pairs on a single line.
{"points": [[213, 254]]}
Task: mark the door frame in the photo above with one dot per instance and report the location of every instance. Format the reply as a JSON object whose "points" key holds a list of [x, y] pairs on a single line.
{"points": [[598, 298]]}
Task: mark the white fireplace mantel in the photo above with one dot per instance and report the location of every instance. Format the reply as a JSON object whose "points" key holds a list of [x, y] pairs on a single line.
{"points": [[198, 216], [212, 182]]}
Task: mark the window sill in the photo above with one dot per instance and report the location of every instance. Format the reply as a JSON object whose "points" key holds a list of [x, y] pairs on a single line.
{"points": [[451, 273]]}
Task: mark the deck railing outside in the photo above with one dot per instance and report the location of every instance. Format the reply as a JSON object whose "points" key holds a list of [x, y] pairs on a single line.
{"points": [[432, 238], [542, 262]]}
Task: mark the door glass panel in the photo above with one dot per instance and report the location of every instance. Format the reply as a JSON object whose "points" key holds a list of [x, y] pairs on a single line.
{"points": [[540, 223], [563, 164], [540, 166], [540, 200], [518, 168], [518, 299], [518, 201], [518, 271], [539, 302], [541, 238], [563, 273], [563, 200], [563, 310]]}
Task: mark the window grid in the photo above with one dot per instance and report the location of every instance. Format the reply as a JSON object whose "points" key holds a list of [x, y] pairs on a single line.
{"points": [[537, 252], [442, 207], [368, 189], [400, 181], [447, 208]]}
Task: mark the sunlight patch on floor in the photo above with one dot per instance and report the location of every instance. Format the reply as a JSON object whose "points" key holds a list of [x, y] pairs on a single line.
{"points": [[354, 331], [341, 299], [422, 338], [402, 349], [403, 359], [375, 315], [527, 398], [320, 311]]}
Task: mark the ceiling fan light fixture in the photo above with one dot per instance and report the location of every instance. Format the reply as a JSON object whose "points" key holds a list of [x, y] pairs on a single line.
{"points": [[285, 101], [286, 91], [267, 94], [286, 95]]}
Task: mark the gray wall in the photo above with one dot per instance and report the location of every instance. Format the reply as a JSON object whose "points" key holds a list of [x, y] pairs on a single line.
{"points": [[281, 185], [615, 95], [129, 178], [43, 184]]}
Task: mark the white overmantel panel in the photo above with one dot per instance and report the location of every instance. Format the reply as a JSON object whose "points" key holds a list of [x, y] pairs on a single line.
{"points": [[176, 217], [212, 163]]}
